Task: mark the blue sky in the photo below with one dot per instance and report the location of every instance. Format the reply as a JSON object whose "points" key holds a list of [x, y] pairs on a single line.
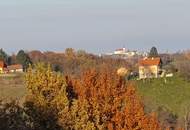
{"points": [[94, 25]]}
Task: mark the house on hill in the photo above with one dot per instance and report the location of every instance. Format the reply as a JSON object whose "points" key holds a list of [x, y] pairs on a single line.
{"points": [[15, 68], [2, 66], [11, 68], [149, 68]]}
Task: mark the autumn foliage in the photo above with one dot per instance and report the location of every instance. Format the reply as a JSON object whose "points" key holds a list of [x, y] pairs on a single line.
{"points": [[96, 100], [114, 104], [75, 62]]}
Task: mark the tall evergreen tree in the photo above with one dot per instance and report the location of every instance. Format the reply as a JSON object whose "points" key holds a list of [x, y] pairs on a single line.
{"points": [[23, 58], [3, 55], [153, 52]]}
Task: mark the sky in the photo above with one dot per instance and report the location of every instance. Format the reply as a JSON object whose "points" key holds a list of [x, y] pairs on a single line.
{"points": [[96, 26]]}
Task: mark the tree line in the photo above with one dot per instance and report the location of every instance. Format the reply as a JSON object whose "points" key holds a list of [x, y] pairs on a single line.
{"points": [[20, 58]]}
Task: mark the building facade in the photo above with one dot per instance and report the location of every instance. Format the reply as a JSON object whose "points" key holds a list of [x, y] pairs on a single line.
{"points": [[149, 68], [15, 68], [11, 68]]}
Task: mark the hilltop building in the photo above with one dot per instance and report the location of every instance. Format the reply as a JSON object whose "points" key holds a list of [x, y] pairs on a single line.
{"points": [[125, 52], [120, 51]]}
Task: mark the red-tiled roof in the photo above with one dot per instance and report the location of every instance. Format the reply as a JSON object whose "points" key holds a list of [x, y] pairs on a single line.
{"points": [[150, 61], [14, 67], [120, 49]]}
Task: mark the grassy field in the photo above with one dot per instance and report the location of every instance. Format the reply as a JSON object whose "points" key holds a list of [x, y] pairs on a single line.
{"points": [[12, 86], [174, 94]]}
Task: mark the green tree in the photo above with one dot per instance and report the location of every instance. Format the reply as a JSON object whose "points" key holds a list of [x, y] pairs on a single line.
{"points": [[57, 68], [153, 52], [23, 58], [11, 59], [3, 55]]}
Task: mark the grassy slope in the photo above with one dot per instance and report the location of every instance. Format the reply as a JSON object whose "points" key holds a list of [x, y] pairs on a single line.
{"points": [[11, 87], [173, 95]]}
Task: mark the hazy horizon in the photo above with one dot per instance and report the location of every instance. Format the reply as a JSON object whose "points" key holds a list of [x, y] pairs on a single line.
{"points": [[95, 26]]}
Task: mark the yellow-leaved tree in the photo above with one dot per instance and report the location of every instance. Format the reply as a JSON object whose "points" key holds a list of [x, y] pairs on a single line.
{"points": [[50, 103], [46, 98]]}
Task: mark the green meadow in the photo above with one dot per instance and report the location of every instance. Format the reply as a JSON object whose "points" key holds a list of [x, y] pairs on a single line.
{"points": [[172, 94]]}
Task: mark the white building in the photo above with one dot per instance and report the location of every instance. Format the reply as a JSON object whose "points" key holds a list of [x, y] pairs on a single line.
{"points": [[125, 52]]}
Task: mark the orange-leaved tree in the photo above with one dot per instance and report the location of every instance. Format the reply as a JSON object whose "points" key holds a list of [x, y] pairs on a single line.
{"points": [[112, 103]]}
